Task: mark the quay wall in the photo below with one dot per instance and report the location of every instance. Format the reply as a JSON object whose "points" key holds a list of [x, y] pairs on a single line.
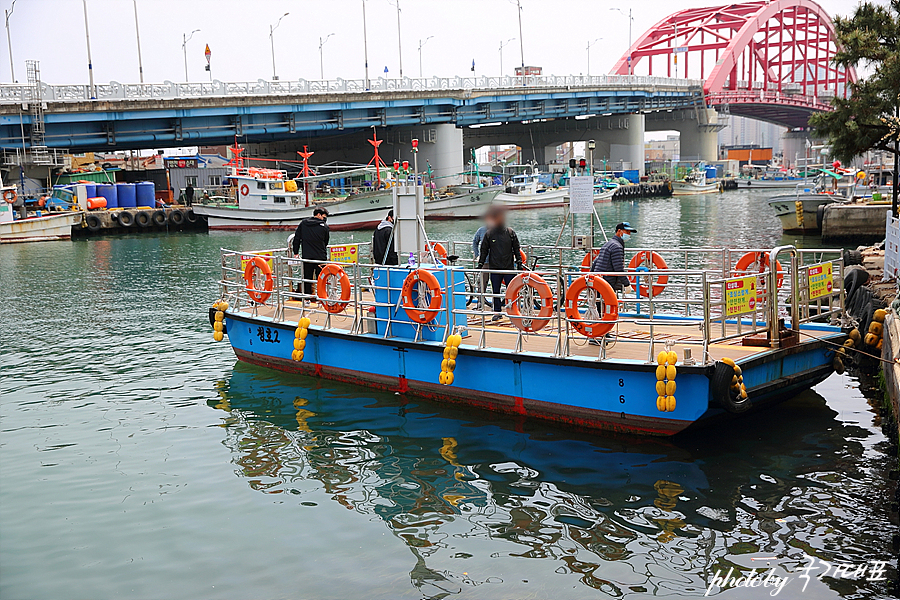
{"points": [[853, 222]]}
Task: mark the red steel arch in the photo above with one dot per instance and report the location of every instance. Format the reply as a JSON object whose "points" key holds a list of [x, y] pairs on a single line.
{"points": [[768, 60]]}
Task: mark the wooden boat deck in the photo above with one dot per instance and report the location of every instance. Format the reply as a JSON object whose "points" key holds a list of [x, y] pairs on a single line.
{"points": [[630, 342]]}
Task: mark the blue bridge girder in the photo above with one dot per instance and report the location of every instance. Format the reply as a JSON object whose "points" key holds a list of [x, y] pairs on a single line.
{"points": [[80, 124]]}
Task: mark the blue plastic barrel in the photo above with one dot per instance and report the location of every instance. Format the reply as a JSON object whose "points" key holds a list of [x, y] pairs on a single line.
{"points": [[711, 173], [91, 189], [108, 191], [126, 194], [146, 193]]}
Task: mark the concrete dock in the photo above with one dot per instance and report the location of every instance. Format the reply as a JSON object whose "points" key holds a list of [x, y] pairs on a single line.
{"points": [[139, 220], [855, 223]]}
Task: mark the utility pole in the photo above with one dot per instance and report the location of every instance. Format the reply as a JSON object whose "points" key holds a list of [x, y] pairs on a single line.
{"points": [[421, 43], [272, 44], [137, 34], [589, 55], [321, 55], [365, 44], [12, 69], [502, 44], [521, 43], [630, 21], [185, 39], [87, 37], [399, 38]]}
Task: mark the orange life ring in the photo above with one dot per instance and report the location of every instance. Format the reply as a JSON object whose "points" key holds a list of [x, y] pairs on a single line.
{"points": [[256, 294], [416, 313], [9, 196], [331, 305], [523, 256], [245, 190], [588, 260], [439, 249], [658, 263], [742, 267], [537, 283], [610, 305]]}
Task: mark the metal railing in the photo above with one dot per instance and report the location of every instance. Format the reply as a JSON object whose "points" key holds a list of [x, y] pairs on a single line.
{"points": [[22, 94], [693, 297]]}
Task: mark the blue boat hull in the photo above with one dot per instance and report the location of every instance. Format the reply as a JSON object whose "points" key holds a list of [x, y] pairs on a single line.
{"points": [[609, 395]]}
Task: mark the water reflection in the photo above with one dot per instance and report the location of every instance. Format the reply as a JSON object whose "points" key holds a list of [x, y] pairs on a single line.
{"points": [[627, 517]]}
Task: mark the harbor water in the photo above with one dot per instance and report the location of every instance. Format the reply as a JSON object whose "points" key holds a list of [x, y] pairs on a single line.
{"points": [[139, 460]]}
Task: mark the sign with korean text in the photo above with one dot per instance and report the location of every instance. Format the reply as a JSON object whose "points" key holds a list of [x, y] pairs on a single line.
{"points": [[821, 280], [246, 258], [181, 163], [347, 253], [581, 195], [740, 295]]}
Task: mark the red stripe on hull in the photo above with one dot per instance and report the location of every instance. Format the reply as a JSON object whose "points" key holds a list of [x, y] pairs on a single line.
{"points": [[571, 416]]}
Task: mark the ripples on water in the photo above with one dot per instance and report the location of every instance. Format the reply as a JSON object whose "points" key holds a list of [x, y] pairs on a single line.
{"points": [[138, 460]]}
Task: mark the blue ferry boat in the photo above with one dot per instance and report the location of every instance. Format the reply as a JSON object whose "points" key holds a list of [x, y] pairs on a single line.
{"points": [[708, 335]]}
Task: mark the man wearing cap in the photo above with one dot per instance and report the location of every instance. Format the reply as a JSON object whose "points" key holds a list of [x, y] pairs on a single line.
{"points": [[383, 242], [312, 234], [611, 259]]}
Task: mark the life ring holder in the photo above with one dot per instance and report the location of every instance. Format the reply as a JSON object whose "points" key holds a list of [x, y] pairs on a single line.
{"points": [[437, 248], [415, 313], [761, 259], [537, 283], [245, 190], [659, 263], [329, 271], [610, 301], [10, 196], [258, 295]]}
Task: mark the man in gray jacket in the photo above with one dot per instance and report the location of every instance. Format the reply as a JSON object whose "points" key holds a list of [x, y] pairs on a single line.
{"points": [[611, 259]]}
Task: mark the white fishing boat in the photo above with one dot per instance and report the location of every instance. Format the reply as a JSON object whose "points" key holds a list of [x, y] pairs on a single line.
{"points": [[800, 212], [528, 191], [695, 182], [43, 228], [460, 202]]}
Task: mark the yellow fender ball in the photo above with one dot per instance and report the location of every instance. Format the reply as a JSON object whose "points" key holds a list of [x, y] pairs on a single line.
{"points": [[303, 334], [222, 306], [671, 372], [661, 388], [457, 340], [449, 378], [660, 372], [219, 315], [451, 364], [838, 365], [297, 332], [661, 403], [442, 379], [849, 343], [670, 388], [216, 305], [662, 358], [445, 364], [218, 336], [304, 322], [880, 314], [299, 355], [219, 326], [737, 370], [447, 352], [294, 354], [854, 335], [735, 380], [743, 393], [871, 339], [879, 345], [672, 358], [729, 362], [300, 344], [876, 328], [670, 403], [453, 352]]}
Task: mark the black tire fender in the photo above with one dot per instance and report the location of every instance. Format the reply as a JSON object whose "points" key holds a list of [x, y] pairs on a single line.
{"points": [[159, 218], [820, 216], [126, 219], [176, 217], [93, 223], [720, 389], [142, 219], [191, 217]]}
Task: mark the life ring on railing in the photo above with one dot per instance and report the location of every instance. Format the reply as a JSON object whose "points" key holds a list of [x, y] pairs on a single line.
{"points": [[742, 267], [610, 306], [245, 190], [9, 196], [659, 264], [523, 256], [537, 283], [256, 294], [333, 305], [416, 313], [588, 260], [439, 250]]}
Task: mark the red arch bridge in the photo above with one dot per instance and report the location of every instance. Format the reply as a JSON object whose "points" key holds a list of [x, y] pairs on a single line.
{"points": [[769, 60]]}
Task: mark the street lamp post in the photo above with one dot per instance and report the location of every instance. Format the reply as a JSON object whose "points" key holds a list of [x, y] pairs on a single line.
{"points": [[321, 54], [591, 145], [365, 44], [421, 43], [502, 44], [272, 43], [630, 21], [87, 38], [399, 37], [8, 13], [589, 55], [521, 42], [137, 34], [185, 39]]}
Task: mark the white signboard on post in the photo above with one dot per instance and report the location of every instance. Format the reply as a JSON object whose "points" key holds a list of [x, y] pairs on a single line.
{"points": [[581, 195]]}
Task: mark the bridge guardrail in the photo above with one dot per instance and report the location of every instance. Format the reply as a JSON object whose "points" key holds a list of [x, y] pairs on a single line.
{"points": [[168, 90]]}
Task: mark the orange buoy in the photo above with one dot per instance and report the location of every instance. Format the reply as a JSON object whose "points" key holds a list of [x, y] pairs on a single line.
{"points": [[416, 313], [331, 305], [536, 283], [659, 264], [610, 305], [98, 202], [260, 295]]}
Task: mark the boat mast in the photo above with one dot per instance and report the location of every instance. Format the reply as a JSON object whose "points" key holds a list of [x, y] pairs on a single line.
{"points": [[306, 154], [376, 159]]}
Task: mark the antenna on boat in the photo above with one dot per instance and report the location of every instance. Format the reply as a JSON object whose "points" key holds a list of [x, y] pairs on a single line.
{"points": [[236, 161], [305, 155], [376, 159]]}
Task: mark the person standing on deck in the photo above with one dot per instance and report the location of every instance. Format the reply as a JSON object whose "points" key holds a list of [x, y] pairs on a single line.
{"points": [[500, 248], [312, 236], [476, 252], [189, 194], [611, 259], [383, 242]]}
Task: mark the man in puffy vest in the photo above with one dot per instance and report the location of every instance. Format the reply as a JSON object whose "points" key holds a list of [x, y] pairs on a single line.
{"points": [[611, 259], [312, 236], [383, 242], [500, 247]]}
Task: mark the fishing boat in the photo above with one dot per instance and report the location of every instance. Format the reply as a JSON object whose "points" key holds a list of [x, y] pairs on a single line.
{"points": [[460, 202], [800, 212], [532, 190], [718, 329], [36, 228], [695, 182]]}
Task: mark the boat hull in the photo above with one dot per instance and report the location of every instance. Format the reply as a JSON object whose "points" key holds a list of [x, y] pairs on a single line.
{"points": [[550, 198], [680, 188], [611, 395], [39, 229], [785, 184], [803, 220], [469, 205]]}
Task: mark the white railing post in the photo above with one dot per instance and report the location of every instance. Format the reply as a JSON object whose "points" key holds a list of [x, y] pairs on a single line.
{"points": [[891, 248]]}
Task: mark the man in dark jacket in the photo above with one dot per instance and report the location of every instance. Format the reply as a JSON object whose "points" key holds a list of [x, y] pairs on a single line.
{"points": [[312, 236], [189, 195], [383, 242], [611, 258], [500, 247]]}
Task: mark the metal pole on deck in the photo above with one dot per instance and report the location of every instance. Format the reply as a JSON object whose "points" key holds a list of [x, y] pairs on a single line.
{"points": [[137, 35], [12, 69], [87, 38]]}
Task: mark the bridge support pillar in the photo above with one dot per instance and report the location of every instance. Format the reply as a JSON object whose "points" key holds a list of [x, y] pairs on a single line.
{"points": [[625, 136], [444, 153], [698, 131]]}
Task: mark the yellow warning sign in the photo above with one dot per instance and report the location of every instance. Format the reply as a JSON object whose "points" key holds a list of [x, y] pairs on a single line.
{"points": [[821, 280], [246, 258], [740, 295], [348, 253]]}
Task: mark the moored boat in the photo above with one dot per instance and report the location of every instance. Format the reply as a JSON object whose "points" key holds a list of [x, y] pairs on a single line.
{"points": [[527, 190], [36, 228], [801, 212], [695, 182]]}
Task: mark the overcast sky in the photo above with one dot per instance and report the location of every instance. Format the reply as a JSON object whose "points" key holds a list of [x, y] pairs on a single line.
{"points": [[555, 33]]}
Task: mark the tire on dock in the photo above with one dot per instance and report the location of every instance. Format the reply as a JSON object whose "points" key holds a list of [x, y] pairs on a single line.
{"points": [[191, 217], [93, 223], [142, 219], [159, 218], [176, 217], [126, 219]]}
